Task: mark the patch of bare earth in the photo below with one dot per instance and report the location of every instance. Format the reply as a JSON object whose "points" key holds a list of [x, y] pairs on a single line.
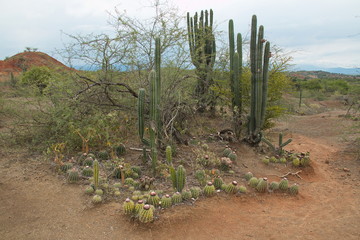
{"points": [[35, 203]]}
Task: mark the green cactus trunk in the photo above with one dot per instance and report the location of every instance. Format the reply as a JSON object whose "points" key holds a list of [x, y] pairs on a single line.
{"points": [[180, 178], [203, 51], [235, 77], [259, 61], [168, 153], [96, 174]]}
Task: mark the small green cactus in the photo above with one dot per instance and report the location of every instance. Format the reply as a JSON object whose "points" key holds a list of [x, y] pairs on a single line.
{"points": [[97, 199], [262, 185], [96, 174], [209, 189], [218, 182], [232, 156], [166, 201], [99, 192], [186, 195], [253, 182], [227, 151], [305, 161], [231, 188], [200, 175], [66, 166], [294, 189], [296, 162], [120, 150], [117, 185], [128, 207], [117, 193], [89, 161], [180, 178], [266, 160], [274, 186], [146, 214], [135, 197], [273, 159], [224, 186], [138, 206], [103, 155], [73, 176], [153, 199], [87, 171], [242, 189], [176, 198], [283, 185], [129, 181], [282, 160], [168, 154], [195, 192], [89, 190], [248, 176]]}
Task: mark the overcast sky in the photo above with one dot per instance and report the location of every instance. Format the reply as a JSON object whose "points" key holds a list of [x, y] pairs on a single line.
{"points": [[324, 33]]}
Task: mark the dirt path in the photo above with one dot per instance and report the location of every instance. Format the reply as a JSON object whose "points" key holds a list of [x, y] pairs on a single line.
{"points": [[36, 204]]}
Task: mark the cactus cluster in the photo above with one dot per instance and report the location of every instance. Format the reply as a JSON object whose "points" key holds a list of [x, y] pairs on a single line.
{"points": [[146, 182], [155, 122], [277, 150], [178, 177], [259, 64], [202, 51]]}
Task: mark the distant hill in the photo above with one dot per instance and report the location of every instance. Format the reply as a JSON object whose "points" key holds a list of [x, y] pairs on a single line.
{"points": [[340, 70], [25, 60], [321, 75]]}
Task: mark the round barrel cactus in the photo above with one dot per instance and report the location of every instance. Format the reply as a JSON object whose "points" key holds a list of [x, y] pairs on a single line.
{"points": [[242, 189], [166, 201], [248, 176], [294, 189], [186, 195], [274, 186], [153, 199], [232, 187], [218, 182], [176, 198], [87, 172], [283, 185], [99, 192], [97, 199], [138, 206], [128, 206], [146, 214], [195, 192], [253, 182], [262, 185], [209, 189], [73, 176]]}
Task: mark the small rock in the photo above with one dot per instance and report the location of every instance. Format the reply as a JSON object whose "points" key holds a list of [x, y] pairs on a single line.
{"points": [[327, 161], [346, 170]]}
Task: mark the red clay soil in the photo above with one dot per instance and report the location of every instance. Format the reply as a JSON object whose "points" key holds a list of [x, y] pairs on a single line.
{"points": [[26, 60], [36, 204]]}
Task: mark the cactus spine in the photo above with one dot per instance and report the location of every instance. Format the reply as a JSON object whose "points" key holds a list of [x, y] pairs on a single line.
{"points": [[235, 77], [203, 51], [259, 61], [96, 174]]}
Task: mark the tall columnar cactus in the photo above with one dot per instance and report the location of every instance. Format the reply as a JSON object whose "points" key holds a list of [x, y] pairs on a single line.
{"points": [[178, 178], [155, 121], [96, 174], [282, 144], [203, 51], [235, 77], [259, 61], [168, 153]]}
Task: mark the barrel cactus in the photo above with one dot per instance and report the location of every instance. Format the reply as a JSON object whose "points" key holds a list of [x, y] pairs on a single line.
{"points": [[166, 201], [218, 182], [294, 189], [66, 166], [73, 176], [89, 161], [296, 162], [186, 195], [262, 185], [232, 156], [87, 171], [129, 181], [120, 150], [176, 198], [232, 187], [146, 214], [209, 189], [274, 186], [89, 190], [201, 176], [99, 192], [305, 161], [138, 206], [282, 160], [97, 199], [227, 152], [153, 199], [128, 206], [248, 176], [273, 159], [253, 182], [195, 192], [242, 189], [283, 185], [117, 193]]}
